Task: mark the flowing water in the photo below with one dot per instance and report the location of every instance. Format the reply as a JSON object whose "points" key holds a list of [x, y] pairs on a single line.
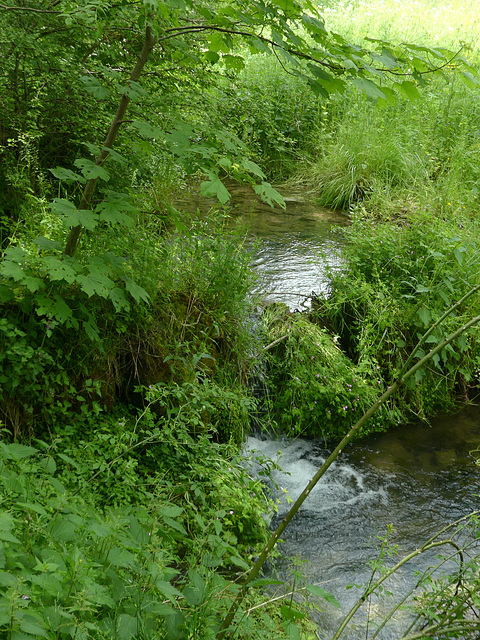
{"points": [[417, 478], [295, 246]]}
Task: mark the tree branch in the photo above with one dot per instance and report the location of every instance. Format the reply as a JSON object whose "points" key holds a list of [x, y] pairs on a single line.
{"points": [[74, 235], [5, 7]]}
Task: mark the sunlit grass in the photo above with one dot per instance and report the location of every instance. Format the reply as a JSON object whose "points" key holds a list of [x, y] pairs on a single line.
{"points": [[429, 22]]}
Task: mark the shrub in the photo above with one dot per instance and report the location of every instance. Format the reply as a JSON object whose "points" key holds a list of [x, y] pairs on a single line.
{"points": [[398, 280], [315, 390]]}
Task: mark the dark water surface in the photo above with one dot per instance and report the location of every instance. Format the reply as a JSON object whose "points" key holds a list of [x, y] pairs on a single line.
{"points": [[417, 478]]}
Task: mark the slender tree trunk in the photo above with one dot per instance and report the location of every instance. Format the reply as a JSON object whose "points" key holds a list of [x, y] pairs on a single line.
{"points": [[75, 232]]}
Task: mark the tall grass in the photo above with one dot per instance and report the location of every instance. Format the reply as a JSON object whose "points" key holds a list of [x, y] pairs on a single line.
{"points": [[426, 22], [392, 160], [399, 158], [413, 155]]}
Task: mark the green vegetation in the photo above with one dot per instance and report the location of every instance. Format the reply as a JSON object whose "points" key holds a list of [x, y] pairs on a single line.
{"points": [[125, 348]]}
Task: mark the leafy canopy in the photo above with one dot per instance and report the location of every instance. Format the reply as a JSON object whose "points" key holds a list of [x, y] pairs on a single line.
{"points": [[96, 74]]}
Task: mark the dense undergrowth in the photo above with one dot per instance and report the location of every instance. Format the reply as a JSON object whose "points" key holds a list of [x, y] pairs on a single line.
{"points": [[407, 175], [127, 510]]}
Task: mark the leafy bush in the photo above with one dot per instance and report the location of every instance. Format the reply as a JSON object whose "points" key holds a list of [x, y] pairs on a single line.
{"points": [[271, 112], [71, 568], [398, 280], [315, 390]]}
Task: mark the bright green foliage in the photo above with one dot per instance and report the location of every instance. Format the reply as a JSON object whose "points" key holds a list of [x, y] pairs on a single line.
{"points": [[71, 569], [401, 157], [42, 383], [68, 569], [398, 280], [272, 112], [103, 104], [186, 321], [314, 389]]}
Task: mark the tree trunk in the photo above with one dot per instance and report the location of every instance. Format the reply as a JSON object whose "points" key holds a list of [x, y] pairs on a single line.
{"points": [[75, 232]]}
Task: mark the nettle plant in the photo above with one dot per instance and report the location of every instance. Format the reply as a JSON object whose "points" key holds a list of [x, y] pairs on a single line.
{"points": [[70, 569]]}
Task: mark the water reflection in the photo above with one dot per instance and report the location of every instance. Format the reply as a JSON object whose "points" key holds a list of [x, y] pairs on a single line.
{"points": [[295, 246]]}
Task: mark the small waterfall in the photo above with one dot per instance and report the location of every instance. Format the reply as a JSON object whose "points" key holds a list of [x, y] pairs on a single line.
{"points": [[386, 479]]}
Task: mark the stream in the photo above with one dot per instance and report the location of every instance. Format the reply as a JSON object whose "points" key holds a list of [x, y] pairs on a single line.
{"points": [[417, 478]]}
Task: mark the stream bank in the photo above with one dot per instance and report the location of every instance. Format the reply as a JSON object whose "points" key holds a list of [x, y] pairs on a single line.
{"points": [[411, 480]]}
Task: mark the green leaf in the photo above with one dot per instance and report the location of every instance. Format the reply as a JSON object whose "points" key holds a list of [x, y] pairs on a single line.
{"points": [[462, 342], [386, 58], [33, 628], [314, 25], [269, 194], [168, 589], [7, 579], [252, 167], [369, 88], [327, 81], [470, 80], [121, 557], [288, 613], [194, 592], [15, 254], [60, 268], [239, 562], [236, 63], [6, 293], [47, 244], [408, 89], [138, 293], [30, 506], [95, 284], [62, 529], [174, 525], [55, 306], [316, 590], [57, 485], [16, 451], [48, 464], [171, 510], [458, 252], [215, 188], [146, 130], [265, 581], [390, 97], [422, 289], [66, 175], [133, 90], [72, 216], [93, 86], [425, 316], [111, 211], [127, 626], [119, 299], [211, 56], [91, 170], [6, 536]]}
